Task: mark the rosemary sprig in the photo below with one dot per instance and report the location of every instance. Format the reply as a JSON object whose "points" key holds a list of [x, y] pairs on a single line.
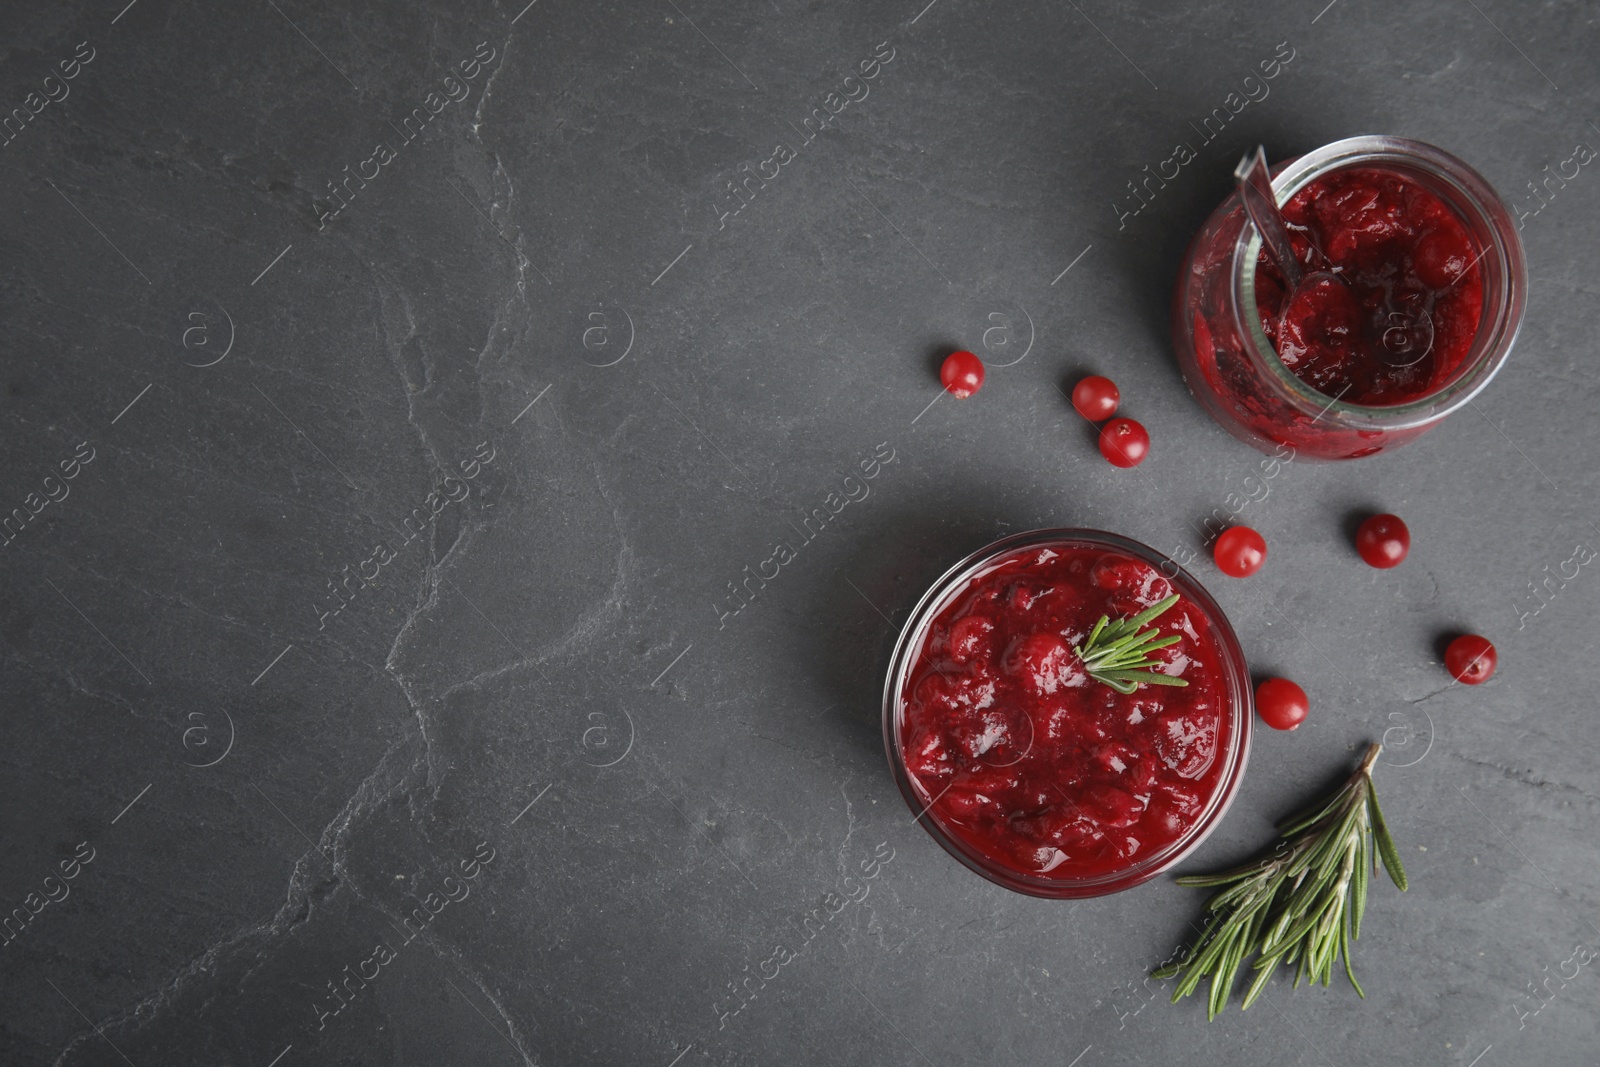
{"points": [[1116, 653], [1302, 905]]}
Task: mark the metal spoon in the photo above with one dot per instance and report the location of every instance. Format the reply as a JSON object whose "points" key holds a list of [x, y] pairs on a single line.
{"points": [[1255, 189]]}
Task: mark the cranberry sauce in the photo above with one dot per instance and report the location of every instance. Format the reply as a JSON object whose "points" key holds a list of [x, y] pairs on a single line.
{"points": [[1400, 252], [1031, 762]]}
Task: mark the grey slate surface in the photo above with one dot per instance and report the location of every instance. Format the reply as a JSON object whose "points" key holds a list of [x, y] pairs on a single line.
{"points": [[550, 674]]}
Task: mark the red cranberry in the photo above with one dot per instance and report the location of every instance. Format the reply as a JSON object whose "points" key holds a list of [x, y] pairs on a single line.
{"points": [[926, 755], [961, 374], [1281, 704], [1471, 659], [1118, 573], [1383, 541], [969, 637], [986, 733], [1186, 743], [1168, 821], [1239, 552], [1111, 806], [1124, 443], [937, 693], [1057, 724], [1441, 257], [1079, 834], [963, 802], [1112, 759], [1023, 594], [1183, 799], [1096, 398], [1043, 663]]}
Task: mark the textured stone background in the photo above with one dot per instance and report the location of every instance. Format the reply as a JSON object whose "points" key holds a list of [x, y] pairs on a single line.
{"points": [[267, 793]]}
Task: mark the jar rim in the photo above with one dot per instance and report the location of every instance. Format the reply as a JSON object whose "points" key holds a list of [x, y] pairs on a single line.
{"points": [[1240, 707], [1482, 208]]}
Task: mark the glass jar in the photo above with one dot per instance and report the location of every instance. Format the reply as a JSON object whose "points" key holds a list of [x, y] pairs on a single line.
{"points": [[1187, 746], [1233, 369]]}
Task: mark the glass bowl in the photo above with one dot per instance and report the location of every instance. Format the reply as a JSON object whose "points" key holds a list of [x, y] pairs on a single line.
{"points": [[1225, 681]]}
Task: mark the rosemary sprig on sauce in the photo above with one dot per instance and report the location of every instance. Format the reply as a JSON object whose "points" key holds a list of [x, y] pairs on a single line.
{"points": [[1300, 905], [1116, 653]]}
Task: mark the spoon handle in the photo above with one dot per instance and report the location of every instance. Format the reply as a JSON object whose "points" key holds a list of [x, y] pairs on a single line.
{"points": [[1255, 189]]}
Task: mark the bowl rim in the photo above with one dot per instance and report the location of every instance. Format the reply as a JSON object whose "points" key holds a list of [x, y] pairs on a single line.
{"points": [[1236, 673]]}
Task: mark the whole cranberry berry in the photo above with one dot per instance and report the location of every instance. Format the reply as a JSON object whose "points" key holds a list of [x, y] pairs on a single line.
{"points": [[1124, 443], [1281, 704], [1239, 551], [1096, 398], [1383, 541], [961, 374], [1471, 659]]}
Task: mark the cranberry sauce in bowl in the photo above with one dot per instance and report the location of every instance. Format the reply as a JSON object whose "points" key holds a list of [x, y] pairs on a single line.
{"points": [[1028, 769]]}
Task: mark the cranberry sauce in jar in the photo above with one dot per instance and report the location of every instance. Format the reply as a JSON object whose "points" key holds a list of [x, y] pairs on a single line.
{"points": [[1401, 255], [1406, 241], [1029, 770]]}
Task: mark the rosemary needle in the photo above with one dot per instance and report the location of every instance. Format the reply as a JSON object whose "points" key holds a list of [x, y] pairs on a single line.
{"points": [[1116, 652]]}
